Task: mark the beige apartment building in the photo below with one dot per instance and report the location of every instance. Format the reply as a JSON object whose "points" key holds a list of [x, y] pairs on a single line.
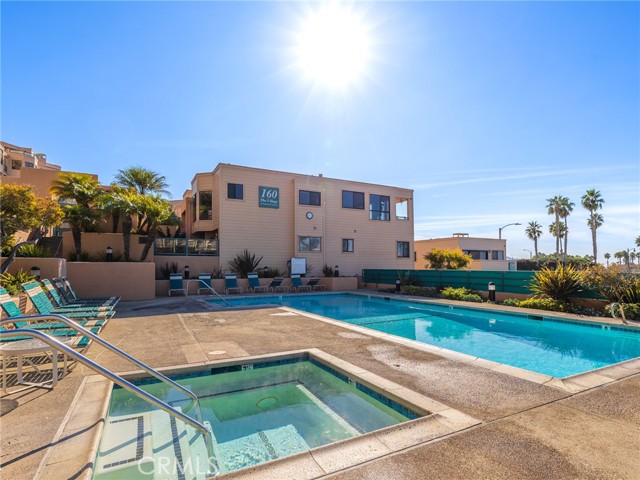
{"points": [[282, 216], [487, 253]]}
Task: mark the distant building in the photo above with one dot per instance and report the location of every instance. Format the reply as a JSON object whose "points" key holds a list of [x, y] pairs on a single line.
{"points": [[487, 253], [280, 215], [20, 165]]}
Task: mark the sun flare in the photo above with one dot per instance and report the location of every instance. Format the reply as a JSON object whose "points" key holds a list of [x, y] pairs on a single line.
{"points": [[333, 47]]}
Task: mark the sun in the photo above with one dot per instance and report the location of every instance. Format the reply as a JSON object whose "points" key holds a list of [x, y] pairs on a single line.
{"points": [[333, 46]]}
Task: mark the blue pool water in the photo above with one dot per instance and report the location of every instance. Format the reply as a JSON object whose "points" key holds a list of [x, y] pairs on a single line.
{"points": [[536, 343]]}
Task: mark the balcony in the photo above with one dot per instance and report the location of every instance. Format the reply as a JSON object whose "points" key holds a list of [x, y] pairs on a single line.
{"points": [[185, 247]]}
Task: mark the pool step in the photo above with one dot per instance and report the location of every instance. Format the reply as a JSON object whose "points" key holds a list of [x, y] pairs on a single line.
{"points": [[152, 445], [261, 446]]}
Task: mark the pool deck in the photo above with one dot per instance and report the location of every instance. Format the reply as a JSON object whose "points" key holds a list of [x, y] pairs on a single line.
{"points": [[527, 429]]}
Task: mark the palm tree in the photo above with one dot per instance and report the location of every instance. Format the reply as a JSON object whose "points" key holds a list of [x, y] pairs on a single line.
{"points": [[553, 208], [534, 232], [558, 228], [566, 207], [593, 201], [84, 190], [607, 256], [127, 203], [638, 241], [143, 180], [157, 212]]}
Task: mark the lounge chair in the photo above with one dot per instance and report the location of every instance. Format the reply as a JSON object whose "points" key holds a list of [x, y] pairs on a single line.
{"points": [[67, 299], [254, 283], [59, 302], [313, 283], [17, 318], [231, 283], [276, 284], [44, 306], [204, 283], [175, 283], [74, 296], [297, 285]]}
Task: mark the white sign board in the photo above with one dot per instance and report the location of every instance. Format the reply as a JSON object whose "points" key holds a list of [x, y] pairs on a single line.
{"points": [[298, 265]]}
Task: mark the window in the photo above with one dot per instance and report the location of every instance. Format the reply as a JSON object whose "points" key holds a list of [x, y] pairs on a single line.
{"points": [[235, 190], [402, 209], [309, 198], [347, 244], [194, 206], [352, 199], [403, 249], [28, 164], [309, 244], [204, 206], [478, 254], [379, 206], [16, 164], [497, 255]]}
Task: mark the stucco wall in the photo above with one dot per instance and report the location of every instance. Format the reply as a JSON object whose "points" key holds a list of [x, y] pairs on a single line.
{"points": [[129, 280], [97, 243], [49, 267]]}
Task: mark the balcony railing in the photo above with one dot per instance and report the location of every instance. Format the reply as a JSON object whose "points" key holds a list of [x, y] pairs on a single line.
{"points": [[186, 247]]}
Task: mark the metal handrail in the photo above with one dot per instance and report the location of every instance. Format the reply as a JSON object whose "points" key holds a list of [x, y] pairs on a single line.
{"points": [[613, 311], [186, 294], [125, 384], [72, 324]]}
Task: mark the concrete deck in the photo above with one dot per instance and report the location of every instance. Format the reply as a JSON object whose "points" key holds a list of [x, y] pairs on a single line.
{"points": [[527, 429]]}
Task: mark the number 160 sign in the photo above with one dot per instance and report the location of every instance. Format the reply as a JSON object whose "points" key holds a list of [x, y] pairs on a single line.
{"points": [[269, 197]]}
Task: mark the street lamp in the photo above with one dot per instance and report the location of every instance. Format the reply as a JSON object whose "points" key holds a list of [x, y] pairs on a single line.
{"points": [[530, 252], [507, 225]]}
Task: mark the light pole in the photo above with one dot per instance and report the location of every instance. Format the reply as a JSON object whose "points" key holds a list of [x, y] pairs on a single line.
{"points": [[507, 225], [530, 252]]}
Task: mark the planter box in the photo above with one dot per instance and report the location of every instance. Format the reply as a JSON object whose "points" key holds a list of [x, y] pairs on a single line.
{"points": [[129, 280], [339, 284]]}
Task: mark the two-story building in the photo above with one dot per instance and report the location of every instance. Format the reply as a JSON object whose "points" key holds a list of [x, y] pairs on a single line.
{"points": [[279, 215]]}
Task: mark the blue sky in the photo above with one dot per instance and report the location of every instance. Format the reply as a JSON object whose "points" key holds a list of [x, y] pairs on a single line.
{"points": [[484, 109]]}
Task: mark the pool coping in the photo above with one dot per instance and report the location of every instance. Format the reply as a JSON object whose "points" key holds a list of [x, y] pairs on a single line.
{"points": [[572, 384], [439, 421]]}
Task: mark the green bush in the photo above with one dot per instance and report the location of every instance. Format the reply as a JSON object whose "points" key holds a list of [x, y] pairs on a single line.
{"points": [[631, 294], [83, 257], [472, 297], [32, 250], [451, 293], [412, 290], [418, 291], [244, 263], [328, 271], [511, 302], [13, 283], [545, 303], [559, 284], [631, 311]]}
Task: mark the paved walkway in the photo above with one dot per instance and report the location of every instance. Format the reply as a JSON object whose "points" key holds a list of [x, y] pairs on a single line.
{"points": [[529, 430]]}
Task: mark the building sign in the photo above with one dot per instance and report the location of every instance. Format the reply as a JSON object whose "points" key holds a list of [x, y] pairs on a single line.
{"points": [[269, 197]]}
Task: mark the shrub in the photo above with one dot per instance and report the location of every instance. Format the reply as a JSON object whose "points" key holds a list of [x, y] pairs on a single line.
{"points": [[272, 272], [12, 283], [217, 273], [451, 293], [328, 271], [116, 256], [545, 303], [418, 291], [32, 250], [406, 279], [559, 284], [411, 290], [631, 294], [511, 302], [611, 282], [168, 270], [472, 297], [244, 262], [83, 257]]}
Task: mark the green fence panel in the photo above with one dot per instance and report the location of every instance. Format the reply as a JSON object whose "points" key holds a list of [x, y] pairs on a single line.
{"points": [[505, 281]]}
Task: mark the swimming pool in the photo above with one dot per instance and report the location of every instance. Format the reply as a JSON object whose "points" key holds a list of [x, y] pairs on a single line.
{"points": [[257, 411], [546, 345]]}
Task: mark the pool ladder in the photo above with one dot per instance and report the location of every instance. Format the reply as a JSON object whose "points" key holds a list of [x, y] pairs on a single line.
{"points": [[613, 311], [118, 380]]}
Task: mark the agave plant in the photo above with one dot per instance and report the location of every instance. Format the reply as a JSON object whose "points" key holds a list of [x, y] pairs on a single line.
{"points": [[560, 284], [244, 263]]}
